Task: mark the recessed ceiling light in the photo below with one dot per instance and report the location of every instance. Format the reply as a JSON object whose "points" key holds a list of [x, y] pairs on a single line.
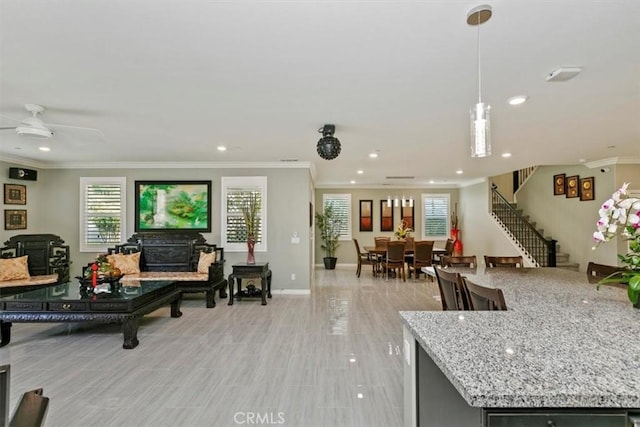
{"points": [[459, 171], [360, 172], [353, 181], [373, 155], [582, 160], [432, 182], [44, 148], [222, 148], [517, 100], [505, 155]]}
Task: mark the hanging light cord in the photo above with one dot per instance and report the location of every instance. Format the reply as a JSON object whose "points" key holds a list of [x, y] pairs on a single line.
{"points": [[479, 70]]}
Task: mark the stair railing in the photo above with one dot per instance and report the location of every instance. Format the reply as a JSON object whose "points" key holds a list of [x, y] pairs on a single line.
{"points": [[541, 249], [521, 176]]}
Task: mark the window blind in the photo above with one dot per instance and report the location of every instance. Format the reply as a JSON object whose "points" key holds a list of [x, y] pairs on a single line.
{"points": [[102, 212], [436, 216], [342, 209], [236, 199]]}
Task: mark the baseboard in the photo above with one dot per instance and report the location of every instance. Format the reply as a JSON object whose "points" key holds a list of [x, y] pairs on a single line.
{"points": [[291, 291]]}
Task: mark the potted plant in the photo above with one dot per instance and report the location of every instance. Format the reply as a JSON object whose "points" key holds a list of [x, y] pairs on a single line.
{"points": [[250, 212], [620, 216], [329, 225]]}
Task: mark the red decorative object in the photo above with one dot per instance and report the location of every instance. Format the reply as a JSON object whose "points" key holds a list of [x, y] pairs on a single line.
{"points": [[251, 243], [94, 274], [457, 243]]}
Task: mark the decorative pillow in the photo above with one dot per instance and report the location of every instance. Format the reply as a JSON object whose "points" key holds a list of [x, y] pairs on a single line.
{"points": [[206, 259], [127, 264], [14, 268]]}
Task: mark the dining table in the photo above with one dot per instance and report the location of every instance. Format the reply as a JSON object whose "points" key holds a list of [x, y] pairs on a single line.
{"points": [[381, 251], [409, 251]]}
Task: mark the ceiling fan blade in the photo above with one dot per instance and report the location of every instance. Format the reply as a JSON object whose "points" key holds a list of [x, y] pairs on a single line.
{"points": [[51, 125], [10, 118], [7, 127]]}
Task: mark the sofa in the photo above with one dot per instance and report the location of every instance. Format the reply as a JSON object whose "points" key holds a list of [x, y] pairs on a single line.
{"points": [[172, 255], [46, 258]]}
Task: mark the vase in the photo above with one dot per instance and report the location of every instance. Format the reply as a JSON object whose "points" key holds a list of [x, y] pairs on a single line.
{"points": [[251, 243], [457, 243]]}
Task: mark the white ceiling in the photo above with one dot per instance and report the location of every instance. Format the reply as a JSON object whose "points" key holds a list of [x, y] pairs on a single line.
{"points": [[168, 81]]}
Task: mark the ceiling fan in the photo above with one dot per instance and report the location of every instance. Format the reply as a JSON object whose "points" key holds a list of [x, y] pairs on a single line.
{"points": [[34, 127]]}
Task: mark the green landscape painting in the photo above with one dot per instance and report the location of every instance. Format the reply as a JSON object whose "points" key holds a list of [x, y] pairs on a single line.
{"points": [[173, 205]]}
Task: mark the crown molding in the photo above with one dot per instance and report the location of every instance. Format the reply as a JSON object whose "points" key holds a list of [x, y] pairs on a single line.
{"points": [[613, 161], [21, 161], [164, 165]]}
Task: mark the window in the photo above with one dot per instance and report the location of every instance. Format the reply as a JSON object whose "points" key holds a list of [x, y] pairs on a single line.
{"points": [[102, 213], [435, 216], [342, 209], [238, 192]]}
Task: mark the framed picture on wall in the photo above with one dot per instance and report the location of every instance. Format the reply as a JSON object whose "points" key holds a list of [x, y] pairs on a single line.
{"points": [[366, 215], [15, 194], [386, 216], [558, 184], [573, 187], [408, 216], [172, 205], [587, 189], [15, 219]]}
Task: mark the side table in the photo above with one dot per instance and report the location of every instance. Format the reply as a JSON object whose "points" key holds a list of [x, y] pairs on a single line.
{"points": [[246, 271]]}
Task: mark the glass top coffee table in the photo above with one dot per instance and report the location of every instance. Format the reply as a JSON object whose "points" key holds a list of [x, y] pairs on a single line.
{"points": [[71, 302]]}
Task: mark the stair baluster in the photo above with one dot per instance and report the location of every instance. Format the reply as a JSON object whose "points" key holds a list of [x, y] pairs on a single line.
{"points": [[542, 250]]}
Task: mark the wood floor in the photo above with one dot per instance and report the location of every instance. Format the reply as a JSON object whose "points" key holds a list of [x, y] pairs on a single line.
{"points": [[333, 358]]}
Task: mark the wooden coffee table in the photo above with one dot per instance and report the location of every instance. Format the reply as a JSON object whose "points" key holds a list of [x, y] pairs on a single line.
{"points": [[70, 303]]}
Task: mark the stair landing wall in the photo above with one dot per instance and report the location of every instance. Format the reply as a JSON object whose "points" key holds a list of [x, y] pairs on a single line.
{"points": [[570, 221]]}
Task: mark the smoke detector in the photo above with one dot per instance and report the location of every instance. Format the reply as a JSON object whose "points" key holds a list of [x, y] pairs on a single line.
{"points": [[563, 74]]}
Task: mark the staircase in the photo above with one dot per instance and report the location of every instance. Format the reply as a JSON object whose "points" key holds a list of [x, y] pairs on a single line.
{"points": [[540, 251], [562, 261]]}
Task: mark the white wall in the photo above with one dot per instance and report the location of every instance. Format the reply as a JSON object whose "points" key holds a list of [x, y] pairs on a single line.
{"points": [[53, 207], [35, 212], [568, 220], [480, 234]]}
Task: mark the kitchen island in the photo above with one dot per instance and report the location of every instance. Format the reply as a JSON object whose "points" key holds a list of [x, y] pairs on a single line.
{"points": [[564, 353]]}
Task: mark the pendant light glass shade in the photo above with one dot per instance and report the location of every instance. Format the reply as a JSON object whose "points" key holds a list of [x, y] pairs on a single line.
{"points": [[480, 130], [480, 123]]}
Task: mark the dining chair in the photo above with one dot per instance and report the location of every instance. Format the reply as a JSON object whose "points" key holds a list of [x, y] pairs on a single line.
{"points": [[448, 251], [483, 298], [381, 242], [504, 261], [422, 251], [395, 258], [381, 245], [597, 272], [408, 243], [451, 291], [460, 261], [364, 258]]}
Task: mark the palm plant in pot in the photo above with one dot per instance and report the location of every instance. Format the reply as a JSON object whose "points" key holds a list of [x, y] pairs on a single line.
{"points": [[329, 225]]}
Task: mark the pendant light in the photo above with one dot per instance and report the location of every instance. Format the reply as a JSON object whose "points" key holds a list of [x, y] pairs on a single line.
{"points": [[480, 123]]}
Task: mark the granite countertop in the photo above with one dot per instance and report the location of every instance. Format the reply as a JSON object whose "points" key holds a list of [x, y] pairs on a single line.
{"points": [[562, 343]]}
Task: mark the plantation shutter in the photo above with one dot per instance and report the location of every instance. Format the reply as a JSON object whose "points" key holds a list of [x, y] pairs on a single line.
{"points": [[436, 216], [236, 192], [102, 213], [342, 210], [236, 198]]}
